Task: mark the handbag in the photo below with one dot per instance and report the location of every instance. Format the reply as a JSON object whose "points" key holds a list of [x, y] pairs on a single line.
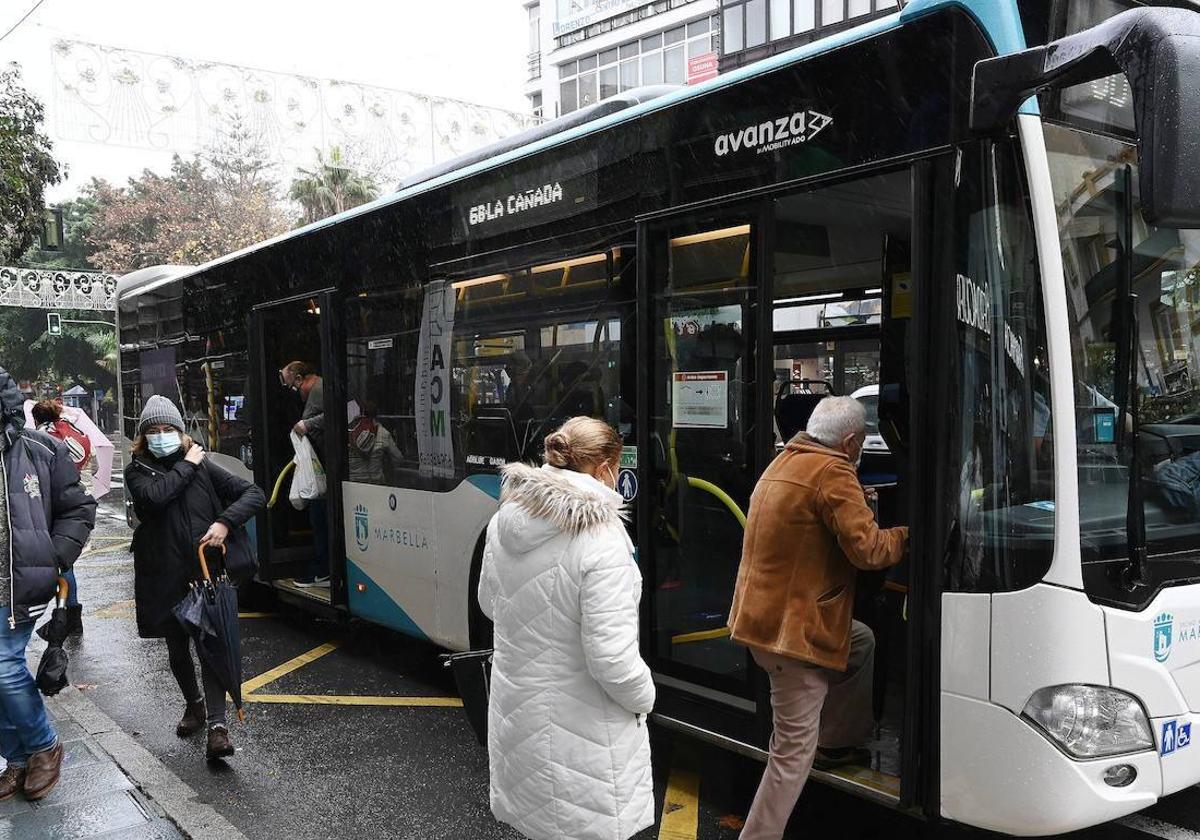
{"points": [[241, 560], [240, 557]]}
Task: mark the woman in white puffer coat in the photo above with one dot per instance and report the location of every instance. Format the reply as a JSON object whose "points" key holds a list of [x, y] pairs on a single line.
{"points": [[567, 742]]}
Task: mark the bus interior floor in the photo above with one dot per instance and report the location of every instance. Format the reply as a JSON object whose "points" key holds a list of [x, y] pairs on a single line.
{"points": [[313, 593]]}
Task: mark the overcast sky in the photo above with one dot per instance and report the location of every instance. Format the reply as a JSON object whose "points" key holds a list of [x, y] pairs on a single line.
{"points": [[473, 50]]}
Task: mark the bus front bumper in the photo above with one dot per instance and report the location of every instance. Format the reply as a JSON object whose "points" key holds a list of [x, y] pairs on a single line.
{"points": [[1000, 773]]}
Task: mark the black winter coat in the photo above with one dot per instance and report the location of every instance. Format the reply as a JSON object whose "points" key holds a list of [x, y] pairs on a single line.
{"points": [[50, 514], [175, 502]]}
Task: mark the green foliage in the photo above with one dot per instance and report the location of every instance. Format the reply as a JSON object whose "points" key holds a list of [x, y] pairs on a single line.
{"points": [[83, 354], [198, 212], [331, 187], [26, 166]]}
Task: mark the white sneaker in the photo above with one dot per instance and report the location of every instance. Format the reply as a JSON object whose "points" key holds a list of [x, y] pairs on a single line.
{"points": [[321, 581]]}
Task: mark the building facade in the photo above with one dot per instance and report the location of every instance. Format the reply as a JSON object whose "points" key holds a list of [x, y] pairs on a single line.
{"points": [[584, 51], [755, 29]]}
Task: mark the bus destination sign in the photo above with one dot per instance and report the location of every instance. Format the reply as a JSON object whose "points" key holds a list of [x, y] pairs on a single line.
{"points": [[523, 200]]}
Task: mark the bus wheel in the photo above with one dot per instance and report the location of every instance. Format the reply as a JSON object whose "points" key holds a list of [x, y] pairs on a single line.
{"points": [[479, 626]]}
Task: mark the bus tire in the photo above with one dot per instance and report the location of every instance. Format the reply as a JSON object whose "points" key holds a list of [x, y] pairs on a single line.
{"points": [[479, 626]]}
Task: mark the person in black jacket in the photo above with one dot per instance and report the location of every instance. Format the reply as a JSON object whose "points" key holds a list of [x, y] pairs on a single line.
{"points": [[182, 500], [45, 519]]}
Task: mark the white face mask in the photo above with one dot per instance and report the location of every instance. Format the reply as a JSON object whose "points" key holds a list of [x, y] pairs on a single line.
{"points": [[163, 444], [612, 478]]}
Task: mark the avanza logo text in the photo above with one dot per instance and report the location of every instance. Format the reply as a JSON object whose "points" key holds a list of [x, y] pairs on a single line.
{"points": [[772, 135]]}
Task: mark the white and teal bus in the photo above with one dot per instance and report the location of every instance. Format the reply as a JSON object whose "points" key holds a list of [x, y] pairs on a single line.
{"points": [[985, 209]]}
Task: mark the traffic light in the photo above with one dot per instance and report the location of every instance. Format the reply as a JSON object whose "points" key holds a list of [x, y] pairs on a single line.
{"points": [[51, 237], [53, 323]]}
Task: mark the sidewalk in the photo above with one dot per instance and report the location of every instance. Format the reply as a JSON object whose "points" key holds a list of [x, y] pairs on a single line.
{"points": [[111, 787]]}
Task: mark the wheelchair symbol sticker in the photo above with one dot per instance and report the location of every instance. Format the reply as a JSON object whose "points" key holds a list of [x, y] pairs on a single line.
{"points": [[1175, 736], [627, 485]]}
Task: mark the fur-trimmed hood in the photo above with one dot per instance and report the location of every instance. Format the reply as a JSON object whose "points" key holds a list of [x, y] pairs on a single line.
{"points": [[539, 503]]}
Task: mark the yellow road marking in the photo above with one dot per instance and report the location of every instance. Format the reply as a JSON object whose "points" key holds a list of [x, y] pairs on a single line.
{"points": [[249, 687], [700, 636], [102, 545], [117, 609], [681, 806], [257, 615], [287, 667], [352, 700]]}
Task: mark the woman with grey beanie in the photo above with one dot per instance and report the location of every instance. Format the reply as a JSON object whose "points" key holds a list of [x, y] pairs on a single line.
{"points": [[182, 501]]}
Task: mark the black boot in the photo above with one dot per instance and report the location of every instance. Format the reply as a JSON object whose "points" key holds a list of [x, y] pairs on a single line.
{"points": [[192, 720], [219, 744], [75, 620]]}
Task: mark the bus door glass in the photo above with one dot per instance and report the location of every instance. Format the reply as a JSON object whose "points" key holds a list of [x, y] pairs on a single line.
{"points": [[841, 265], [289, 346], [701, 446]]}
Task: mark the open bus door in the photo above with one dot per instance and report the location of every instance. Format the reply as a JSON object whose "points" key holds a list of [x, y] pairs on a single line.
{"points": [[815, 284], [298, 329]]}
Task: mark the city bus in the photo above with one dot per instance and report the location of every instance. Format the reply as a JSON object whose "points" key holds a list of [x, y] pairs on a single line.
{"points": [[985, 209]]}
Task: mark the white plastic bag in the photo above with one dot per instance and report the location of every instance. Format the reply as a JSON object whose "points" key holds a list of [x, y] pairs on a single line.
{"points": [[308, 480]]}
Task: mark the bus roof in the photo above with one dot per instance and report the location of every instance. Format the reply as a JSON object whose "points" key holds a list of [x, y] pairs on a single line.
{"points": [[999, 20], [139, 280]]}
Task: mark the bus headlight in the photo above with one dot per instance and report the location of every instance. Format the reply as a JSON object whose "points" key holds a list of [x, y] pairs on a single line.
{"points": [[1090, 721]]}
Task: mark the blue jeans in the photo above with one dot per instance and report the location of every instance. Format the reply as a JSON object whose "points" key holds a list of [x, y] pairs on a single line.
{"points": [[24, 727], [72, 592]]}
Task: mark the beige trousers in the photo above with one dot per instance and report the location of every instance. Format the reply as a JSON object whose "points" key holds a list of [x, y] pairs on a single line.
{"points": [[810, 706]]}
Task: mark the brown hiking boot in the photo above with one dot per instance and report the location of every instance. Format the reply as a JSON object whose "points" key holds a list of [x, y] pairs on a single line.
{"points": [[219, 745], [42, 772], [192, 720], [11, 781]]}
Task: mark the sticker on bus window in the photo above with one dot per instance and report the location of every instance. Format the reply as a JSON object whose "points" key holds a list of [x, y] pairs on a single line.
{"points": [[380, 344], [629, 457], [627, 485], [700, 400]]}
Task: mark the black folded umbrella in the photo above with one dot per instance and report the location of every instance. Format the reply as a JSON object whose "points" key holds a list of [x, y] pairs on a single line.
{"points": [[52, 670], [209, 614]]}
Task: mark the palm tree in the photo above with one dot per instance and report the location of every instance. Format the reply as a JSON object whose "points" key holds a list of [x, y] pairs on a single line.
{"points": [[331, 187], [105, 343]]}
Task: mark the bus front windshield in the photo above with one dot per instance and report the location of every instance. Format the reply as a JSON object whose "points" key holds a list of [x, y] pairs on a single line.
{"points": [[1087, 173]]}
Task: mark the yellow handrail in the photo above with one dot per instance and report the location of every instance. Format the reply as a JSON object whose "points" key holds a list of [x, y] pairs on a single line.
{"points": [[701, 484], [291, 465]]}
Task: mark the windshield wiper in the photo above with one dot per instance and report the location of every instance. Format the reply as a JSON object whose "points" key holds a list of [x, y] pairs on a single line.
{"points": [[1135, 573]]}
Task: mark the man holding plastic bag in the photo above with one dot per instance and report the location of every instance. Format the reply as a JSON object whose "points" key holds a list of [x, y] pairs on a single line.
{"points": [[308, 483]]}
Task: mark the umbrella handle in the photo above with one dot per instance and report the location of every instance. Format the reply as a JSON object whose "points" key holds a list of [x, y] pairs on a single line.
{"points": [[64, 589], [204, 563]]}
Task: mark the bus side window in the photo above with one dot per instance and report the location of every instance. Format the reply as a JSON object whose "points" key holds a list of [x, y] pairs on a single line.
{"points": [[383, 331]]}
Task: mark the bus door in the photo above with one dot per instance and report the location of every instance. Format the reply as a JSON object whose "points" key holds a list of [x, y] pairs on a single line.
{"points": [[294, 543], [701, 430]]}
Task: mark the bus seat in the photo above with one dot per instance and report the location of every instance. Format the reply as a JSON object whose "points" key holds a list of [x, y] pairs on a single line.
{"points": [[792, 410]]}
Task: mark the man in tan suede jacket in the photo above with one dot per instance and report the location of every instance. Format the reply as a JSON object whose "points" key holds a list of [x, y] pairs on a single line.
{"points": [[809, 531]]}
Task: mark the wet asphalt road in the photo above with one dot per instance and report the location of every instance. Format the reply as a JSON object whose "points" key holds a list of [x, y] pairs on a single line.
{"points": [[318, 771]]}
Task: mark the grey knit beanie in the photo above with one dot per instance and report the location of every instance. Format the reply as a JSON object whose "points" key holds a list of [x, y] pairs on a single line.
{"points": [[158, 410]]}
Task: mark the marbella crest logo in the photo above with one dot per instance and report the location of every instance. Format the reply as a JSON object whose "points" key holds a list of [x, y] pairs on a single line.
{"points": [[361, 530], [1163, 623], [33, 487]]}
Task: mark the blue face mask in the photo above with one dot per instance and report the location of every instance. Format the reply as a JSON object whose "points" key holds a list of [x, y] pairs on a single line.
{"points": [[164, 444]]}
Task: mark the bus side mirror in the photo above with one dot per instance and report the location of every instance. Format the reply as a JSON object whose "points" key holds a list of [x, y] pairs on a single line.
{"points": [[1158, 50]]}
